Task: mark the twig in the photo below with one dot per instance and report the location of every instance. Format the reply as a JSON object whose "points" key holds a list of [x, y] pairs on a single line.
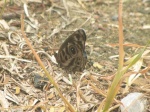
{"points": [[66, 7], [60, 15], [86, 21], [79, 1], [58, 29], [14, 57]]}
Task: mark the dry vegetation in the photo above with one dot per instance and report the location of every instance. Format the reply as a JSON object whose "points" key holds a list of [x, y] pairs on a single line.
{"points": [[47, 24]]}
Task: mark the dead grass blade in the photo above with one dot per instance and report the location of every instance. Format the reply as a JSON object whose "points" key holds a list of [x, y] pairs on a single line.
{"points": [[51, 79], [115, 86]]}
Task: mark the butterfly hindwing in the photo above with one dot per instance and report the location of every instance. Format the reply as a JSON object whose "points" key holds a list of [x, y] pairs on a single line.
{"points": [[71, 55]]}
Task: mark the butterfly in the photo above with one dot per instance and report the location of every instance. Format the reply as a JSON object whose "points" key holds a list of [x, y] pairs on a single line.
{"points": [[71, 55]]}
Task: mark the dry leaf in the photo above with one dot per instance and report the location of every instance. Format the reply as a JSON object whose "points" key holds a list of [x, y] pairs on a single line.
{"points": [[97, 65], [17, 90]]}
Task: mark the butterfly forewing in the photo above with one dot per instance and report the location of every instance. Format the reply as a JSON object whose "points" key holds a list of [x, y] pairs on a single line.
{"points": [[71, 55]]}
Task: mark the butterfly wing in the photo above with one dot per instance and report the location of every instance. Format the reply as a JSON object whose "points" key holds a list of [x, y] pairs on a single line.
{"points": [[72, 55]]}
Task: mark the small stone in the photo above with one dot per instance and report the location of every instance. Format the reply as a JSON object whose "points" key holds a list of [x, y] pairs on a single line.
{"points": [[134, 102]]}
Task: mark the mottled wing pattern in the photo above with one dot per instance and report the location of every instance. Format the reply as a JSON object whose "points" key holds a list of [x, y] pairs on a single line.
{"points": [[71, 55]]}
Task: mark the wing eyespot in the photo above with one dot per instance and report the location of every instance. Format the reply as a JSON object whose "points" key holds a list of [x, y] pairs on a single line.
{"points": [[72, 50]]}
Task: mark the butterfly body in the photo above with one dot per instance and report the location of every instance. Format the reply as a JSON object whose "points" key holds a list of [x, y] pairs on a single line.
{"points": [[71, 55]]}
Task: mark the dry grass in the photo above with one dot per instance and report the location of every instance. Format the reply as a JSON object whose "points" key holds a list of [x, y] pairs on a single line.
{"points": [[47, 24]]}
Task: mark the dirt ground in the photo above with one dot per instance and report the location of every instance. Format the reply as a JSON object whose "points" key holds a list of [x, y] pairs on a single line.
{"points": [[49, 23]]}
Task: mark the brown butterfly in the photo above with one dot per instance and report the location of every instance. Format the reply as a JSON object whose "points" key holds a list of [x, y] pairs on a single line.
{"points": [[71, 55]]}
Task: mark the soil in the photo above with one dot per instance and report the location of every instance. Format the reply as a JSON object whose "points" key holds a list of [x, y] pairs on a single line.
{"points": [[48, 25]]}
